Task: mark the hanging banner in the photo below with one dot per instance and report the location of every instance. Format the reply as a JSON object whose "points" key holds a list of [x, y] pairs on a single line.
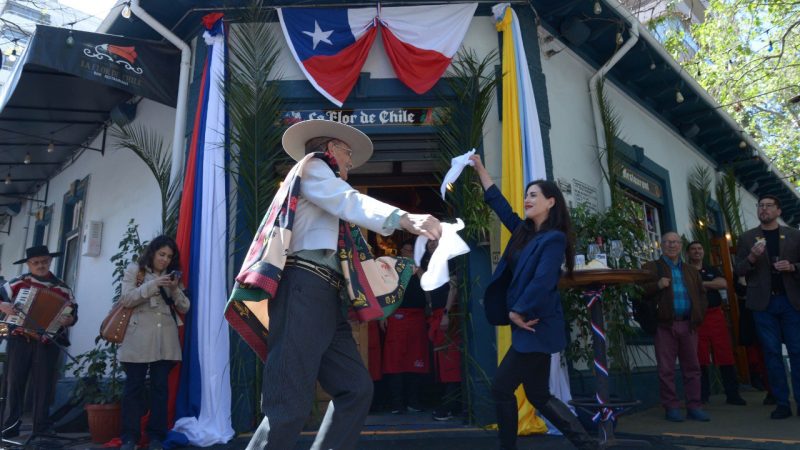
{"points": [[369, 117]]}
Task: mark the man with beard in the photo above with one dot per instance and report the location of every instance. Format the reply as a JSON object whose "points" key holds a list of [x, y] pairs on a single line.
{"points": [[768, 258]]}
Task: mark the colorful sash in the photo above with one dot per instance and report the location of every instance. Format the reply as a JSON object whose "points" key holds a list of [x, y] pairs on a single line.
{"points": [[375, 287]]}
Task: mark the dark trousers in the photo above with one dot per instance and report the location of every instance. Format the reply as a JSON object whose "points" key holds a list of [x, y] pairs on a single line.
{"points": [[532, 370], [309, 340], [134, 404], [404, 390], [35, 361], [780, 323]]}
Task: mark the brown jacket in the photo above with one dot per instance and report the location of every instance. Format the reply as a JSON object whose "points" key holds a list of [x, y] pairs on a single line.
{"points": [[665, 297], [759, 275]]}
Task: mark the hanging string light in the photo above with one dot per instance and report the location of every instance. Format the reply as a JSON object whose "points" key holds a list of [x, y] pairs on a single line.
{"points": [[8, 178], [597, 8], [126, 10], [51, 147], [27, 159], [678, 96]]}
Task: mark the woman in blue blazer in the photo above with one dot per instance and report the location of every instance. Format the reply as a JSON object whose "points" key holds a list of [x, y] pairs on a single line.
{"points": [[523, 293]]}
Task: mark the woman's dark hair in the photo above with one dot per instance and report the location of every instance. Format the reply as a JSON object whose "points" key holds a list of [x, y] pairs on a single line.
{"points": [[146, 260], [557, 219]]}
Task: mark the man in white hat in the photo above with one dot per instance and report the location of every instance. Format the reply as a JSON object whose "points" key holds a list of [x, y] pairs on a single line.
{"points": [[307, 251], [33, 354]]}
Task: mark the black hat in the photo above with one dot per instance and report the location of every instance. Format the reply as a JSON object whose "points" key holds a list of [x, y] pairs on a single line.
{"points": [[36, 250]]}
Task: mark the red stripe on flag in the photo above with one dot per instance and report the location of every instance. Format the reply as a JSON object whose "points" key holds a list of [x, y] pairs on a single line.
{"points": [[337, 74], [417, 68], [184, 232]]}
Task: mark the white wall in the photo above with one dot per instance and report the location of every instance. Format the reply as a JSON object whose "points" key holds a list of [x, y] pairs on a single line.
{"points": [[120, 188]]}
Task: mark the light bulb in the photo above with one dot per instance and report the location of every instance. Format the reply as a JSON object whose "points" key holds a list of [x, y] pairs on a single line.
{"points": [[126, 11], [597, 8], [50, 147], [70, 40], [13, 56], [652, 66], [678, 97], [8, 178], [27, 159], [619, 38], [728, 236], [742, 144]]}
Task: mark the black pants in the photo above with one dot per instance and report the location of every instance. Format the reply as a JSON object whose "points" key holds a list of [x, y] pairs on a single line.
{"points": [[532, 370], [134, 404], [35, 361]]}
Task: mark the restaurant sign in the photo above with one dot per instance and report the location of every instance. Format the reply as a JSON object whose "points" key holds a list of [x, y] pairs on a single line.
{"points": [[641, 182], [369, 117]]}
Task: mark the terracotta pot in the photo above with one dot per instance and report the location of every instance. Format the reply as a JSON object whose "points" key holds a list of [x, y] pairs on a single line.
{"points": [[105, 422]]}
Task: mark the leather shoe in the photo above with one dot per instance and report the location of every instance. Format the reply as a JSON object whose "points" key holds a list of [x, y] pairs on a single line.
{"points": [[735, 400], [12, 430], [673, 415], [781, 412], [697, 414]]}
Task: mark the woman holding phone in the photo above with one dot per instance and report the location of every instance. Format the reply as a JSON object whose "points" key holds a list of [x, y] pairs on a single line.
{"points": [[152, 289], [523, 293]]}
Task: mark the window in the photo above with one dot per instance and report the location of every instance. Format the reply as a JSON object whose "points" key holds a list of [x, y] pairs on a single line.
{"points": [[71, 224], [649, 216]]}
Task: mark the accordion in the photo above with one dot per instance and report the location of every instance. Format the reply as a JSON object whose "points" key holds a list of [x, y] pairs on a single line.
{"points": [[38, 311]]}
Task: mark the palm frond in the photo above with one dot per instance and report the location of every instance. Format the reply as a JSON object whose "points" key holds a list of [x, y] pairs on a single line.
{"points": [[699, 185], [254, 108], [730, 201], [473, 85], [611, 121], [150, 147]]}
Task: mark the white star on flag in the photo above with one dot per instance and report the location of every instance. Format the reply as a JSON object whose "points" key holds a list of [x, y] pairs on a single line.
{"points": [[319, 36]]}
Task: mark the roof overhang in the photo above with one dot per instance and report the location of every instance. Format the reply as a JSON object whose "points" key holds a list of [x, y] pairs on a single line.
{"points": [[61, 95], [652, 77]]}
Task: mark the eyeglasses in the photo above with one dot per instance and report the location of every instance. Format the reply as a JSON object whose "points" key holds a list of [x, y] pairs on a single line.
{"points": [[766, 205], [347, 150]]}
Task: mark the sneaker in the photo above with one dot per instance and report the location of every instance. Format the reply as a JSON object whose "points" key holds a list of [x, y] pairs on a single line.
{"points": [[442, 416], [414, 409], [735, 400], [769, 399], [781, 412], [673, 415], [697, 414], [397, 411], [13, 429]]}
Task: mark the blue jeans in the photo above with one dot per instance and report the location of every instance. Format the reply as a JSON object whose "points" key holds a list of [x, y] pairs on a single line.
{"points": [[780, 322], [134, 405]]}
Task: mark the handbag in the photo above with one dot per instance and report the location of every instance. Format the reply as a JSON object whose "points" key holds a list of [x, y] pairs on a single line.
{"points": [[114, 326]]}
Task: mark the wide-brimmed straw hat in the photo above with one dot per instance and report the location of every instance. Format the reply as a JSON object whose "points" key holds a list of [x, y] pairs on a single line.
{"points": [[296, 136], [37, 250]]}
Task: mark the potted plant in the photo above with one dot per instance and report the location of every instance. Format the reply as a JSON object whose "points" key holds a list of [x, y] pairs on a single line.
{"points": [[98, 371], [99, 386]]}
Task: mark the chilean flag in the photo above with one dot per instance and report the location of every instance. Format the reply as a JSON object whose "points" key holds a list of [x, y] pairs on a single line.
{"points": [[332, 44]]}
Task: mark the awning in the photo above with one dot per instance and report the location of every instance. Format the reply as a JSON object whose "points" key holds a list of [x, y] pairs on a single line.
{"points": [[60, 97]]}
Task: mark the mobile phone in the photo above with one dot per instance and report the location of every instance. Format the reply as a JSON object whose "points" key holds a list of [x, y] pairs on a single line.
{"points": [[176, 274]]}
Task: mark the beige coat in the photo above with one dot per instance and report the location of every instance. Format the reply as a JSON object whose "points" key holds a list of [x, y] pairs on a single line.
{"points": [[152, 334]]}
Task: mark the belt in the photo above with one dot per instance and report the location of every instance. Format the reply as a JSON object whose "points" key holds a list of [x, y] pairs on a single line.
{"points": [[331, 277]]}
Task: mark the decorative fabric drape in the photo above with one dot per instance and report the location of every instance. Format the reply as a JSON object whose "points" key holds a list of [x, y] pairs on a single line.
{"points": [[203, 405]]}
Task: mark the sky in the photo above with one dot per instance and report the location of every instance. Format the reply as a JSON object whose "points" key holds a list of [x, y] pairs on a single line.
{"points": [[97, 8]]}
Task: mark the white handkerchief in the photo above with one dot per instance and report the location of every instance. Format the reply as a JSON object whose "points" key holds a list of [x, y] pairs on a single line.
{"points": [[457, 165], [450, 246]]}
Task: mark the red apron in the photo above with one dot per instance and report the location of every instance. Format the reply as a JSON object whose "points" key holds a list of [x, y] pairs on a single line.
{"points": [[713, 336], [405, 349], [446, 348]]}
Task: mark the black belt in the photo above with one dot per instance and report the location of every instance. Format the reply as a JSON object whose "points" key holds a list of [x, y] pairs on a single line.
{"points": [[327, 274]]}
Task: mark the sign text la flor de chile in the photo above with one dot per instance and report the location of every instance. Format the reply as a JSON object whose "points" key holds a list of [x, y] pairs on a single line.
{"points": [[368, 117]]}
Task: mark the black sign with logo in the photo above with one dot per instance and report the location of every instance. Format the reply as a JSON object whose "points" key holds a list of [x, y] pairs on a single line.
{"points": [[370, 117], [144, 68]]}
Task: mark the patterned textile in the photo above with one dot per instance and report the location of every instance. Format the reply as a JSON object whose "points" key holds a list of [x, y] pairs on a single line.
{"points": [[375, 287], [682, 304]]}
